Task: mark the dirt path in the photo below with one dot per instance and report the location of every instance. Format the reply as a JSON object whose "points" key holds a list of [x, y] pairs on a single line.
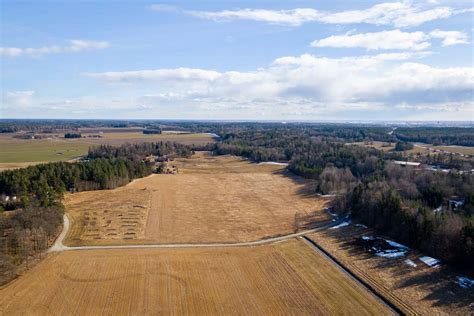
{"points": [[58, 245]]}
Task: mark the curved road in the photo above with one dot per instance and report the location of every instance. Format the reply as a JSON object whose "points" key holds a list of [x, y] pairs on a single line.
{"points": [[58, 245]]}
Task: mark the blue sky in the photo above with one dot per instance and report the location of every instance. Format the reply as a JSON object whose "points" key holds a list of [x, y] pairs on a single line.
{"points": [[259, 60]]}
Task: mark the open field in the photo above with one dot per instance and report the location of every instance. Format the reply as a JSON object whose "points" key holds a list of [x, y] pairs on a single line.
{"points": [[464, 150], [14, 150], [419, 148], [16, 165], [282, 278], [212, 199], [39, 150], [385, 146]]}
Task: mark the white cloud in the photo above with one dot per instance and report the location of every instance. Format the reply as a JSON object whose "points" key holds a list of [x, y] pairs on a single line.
{"points": [[307, 83], [73, 47], [22, 98], [398, 14], [450, 37], [394, 39], [177, 74], [10, 51], [292, 17]]}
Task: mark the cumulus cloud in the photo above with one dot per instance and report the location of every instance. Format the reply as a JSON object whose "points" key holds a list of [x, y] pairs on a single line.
{"points": [[450, 37], [73, 47], [394, 39], [307, 83], [398, 14]]}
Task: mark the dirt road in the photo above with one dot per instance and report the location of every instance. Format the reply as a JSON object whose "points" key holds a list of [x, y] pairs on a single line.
{"points": [[58, 245]]}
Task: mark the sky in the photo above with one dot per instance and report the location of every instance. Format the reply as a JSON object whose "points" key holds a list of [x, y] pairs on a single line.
{"points": [[237, 60]]}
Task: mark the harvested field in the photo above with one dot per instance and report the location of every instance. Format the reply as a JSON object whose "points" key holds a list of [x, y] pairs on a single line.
{"points": [[420, 289], [122, 215], [212, 199], [283, 278]]}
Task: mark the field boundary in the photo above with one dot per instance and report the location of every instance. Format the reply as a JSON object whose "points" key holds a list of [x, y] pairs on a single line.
{"points": [[380, 292]]}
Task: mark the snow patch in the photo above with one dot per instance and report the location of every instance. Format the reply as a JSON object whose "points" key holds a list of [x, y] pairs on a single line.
{"points": [[411, 263], [274, 163], [432, 262], [391, 253], [329, 210], [213, 135], [327, 195], [464, 282], [383, 248], [361, 225], [346, 223], [395, 244]]}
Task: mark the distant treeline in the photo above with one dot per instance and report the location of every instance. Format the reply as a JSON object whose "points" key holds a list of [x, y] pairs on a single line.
{"points": [[402, 146], [412, 206], [437, 135], [72, 135], [152, 131], [355, 132], [140, 151]]}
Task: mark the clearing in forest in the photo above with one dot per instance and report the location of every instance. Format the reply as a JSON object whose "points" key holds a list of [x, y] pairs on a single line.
{"points": [[211, 199], [283, 278]]}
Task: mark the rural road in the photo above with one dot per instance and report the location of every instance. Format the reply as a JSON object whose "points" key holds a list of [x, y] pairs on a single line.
{"points": [[58, 245]]}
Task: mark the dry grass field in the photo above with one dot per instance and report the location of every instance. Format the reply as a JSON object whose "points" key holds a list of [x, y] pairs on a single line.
{"points": [[385, 146], [287, 278], [465, 150], [212, 199], [16, 165], [420, 148]]}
